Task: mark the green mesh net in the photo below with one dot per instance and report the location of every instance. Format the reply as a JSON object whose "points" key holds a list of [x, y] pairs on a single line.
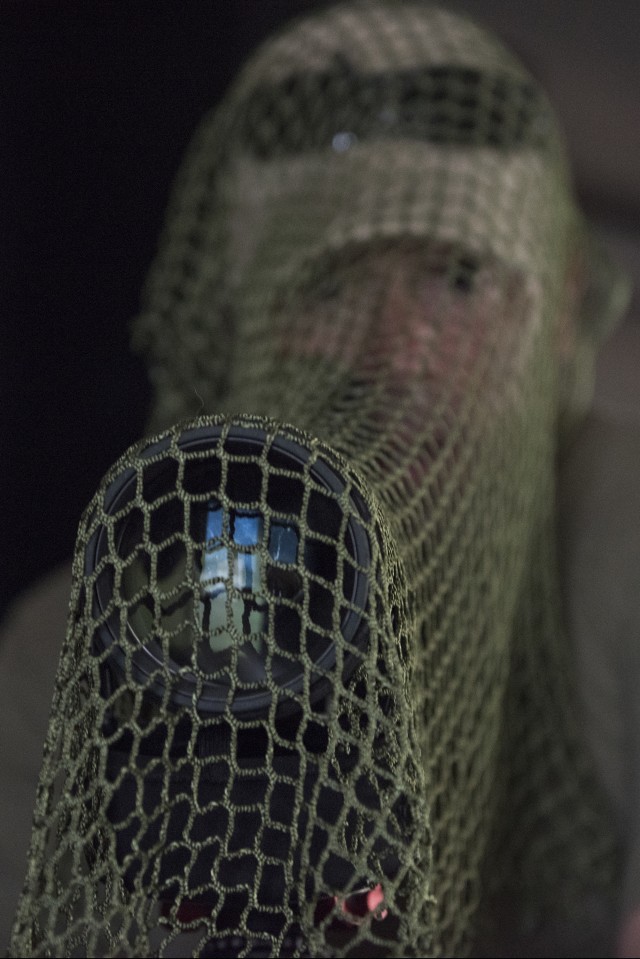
{"points": [[314, 698]]}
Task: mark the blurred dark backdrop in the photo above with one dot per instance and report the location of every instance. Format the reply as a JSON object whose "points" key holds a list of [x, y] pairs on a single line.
{"points": [[98, 100]]}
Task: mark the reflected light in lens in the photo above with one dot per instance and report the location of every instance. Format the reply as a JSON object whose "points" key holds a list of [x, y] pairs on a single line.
{"points": [[232, 582]]}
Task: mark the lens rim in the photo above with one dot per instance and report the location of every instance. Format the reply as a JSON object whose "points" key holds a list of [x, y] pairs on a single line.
{"points": [[149, 667]]}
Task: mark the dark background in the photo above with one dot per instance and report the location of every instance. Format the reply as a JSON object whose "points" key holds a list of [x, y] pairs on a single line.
{"points": [[98, 101]]}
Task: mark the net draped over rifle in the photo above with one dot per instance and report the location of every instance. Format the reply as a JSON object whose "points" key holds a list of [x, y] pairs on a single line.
{"points": [[315, 697]]}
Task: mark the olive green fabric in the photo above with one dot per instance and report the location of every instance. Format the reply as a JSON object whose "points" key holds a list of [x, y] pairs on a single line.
{"points": [[368, 746]]}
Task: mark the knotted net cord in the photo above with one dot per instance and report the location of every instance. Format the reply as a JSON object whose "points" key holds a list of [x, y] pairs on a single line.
{"points": [[315, 695]]}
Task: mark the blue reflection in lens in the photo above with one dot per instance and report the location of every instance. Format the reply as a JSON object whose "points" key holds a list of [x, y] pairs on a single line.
{"points": [[283, 543], [247, 528], [241, 572], [214, 525]]}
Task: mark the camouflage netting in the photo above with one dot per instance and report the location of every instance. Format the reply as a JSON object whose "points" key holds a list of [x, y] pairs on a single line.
{"points": [[314, 697]]}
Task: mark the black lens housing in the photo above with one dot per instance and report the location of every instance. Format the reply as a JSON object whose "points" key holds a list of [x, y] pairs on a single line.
{"points": [[290, 467]]}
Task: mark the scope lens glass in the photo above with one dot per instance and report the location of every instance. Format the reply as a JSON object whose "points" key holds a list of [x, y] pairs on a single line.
{"points": [[209, 586], [217, 592]]}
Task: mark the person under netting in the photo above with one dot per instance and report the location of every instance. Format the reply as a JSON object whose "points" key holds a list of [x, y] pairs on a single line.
{"points": [[315, 696]]}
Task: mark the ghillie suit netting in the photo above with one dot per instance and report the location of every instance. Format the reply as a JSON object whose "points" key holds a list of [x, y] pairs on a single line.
{"points": [[315, 698]]}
